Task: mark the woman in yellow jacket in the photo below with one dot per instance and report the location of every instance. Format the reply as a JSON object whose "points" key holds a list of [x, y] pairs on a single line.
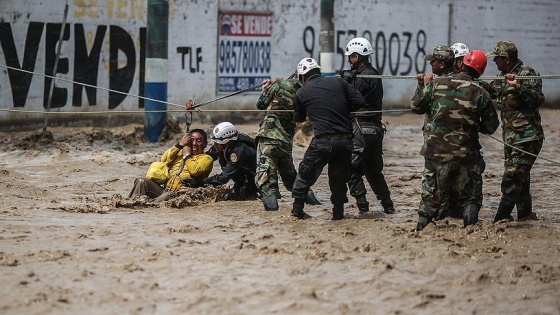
{"points": [[185, 160]]}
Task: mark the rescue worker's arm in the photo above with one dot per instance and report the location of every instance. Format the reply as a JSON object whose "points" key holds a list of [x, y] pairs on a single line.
{"points": [[355, 98], [212, 152], [224, 177], [530, 91], [420, 103], [423, 80], [233, 166], [300, 113], [268, 90], [489, 118], [348, 75], [485, 85]]}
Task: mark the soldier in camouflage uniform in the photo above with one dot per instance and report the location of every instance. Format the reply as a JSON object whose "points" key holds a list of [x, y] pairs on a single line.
{"points": [[444, 64], [456, 110], [275, 141], [460, 50], [518, 102], [441, 60]]}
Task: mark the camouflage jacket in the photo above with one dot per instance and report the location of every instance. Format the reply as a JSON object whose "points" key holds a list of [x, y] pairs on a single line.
{"points": [[521, 120], [456, 110], [278, 125]]}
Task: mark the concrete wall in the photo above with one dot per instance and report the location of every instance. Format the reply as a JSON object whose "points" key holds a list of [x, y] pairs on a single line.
{"points": [[103, 46]]}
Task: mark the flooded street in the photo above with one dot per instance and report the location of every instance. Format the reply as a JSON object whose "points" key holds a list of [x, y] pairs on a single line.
{"points": [[71, 242]]}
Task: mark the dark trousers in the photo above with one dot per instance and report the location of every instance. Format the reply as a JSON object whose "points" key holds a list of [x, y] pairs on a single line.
{"points": [[337, 155], [244, 187], [367, 160]]}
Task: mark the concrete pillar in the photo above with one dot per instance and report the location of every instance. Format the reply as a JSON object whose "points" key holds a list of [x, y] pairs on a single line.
{"points": [[156, 68], [326, 38]]}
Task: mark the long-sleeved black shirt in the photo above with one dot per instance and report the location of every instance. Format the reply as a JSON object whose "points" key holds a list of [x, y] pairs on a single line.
{"points": [[328, 102], [238, 161], [371, 89]]}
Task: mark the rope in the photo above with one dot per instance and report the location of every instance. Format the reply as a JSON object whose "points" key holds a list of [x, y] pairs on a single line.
{"points": [[24, 111], [529, 77], [92, 86], [523, 151], [195, 107], [128, 94], [226, 96]]}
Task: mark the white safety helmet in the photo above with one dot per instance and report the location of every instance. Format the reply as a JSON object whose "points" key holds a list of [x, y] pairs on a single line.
{"points": [[224, 132], [359, 45], [307, 64], [460, 49]]}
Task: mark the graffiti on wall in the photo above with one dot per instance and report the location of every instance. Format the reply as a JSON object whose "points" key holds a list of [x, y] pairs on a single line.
{"points": [[94, 48], [193, 54], [86, 63]]}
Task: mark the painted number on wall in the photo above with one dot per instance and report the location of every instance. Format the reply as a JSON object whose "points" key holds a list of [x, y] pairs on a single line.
{"points": [[243, 50], [243, 56], [397, 54]]}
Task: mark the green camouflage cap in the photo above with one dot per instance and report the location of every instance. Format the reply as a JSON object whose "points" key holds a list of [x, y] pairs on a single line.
{"points": [[441, 53], [503, 48]]}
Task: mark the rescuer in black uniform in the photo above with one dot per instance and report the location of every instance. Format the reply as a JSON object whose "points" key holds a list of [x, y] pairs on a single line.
{"points": [[369, 131], [238, 159], [328, 102]]}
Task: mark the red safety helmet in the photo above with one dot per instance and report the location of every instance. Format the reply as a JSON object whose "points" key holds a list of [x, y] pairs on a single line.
{"points": [[476, 59]]}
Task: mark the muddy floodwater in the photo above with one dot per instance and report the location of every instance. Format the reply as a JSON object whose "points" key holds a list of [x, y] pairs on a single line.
{"points": [[72, 243]]}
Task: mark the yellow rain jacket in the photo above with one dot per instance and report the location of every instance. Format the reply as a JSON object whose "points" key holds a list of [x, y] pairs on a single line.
{"points": [[196, 166]]}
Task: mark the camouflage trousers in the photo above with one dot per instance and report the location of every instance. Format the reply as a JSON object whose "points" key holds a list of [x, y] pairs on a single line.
{"points": [[516, 179], [448, 187], [274, 157]]}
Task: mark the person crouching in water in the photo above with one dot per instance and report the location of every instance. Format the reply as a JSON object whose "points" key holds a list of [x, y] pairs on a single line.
{"points": [[185, 160], [238, 159]]}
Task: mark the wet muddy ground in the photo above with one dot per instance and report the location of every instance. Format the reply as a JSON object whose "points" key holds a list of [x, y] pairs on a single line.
{"points": [[71, 242]]}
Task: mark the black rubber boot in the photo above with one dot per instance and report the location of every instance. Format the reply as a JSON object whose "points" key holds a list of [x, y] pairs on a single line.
{"points": [[470, 214], [362, 204], [388, 206], [311, 199], [338, 212], [270, 202], [363, 207], [504, 210], [525, 210], [422, 222], [297, 210]]}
